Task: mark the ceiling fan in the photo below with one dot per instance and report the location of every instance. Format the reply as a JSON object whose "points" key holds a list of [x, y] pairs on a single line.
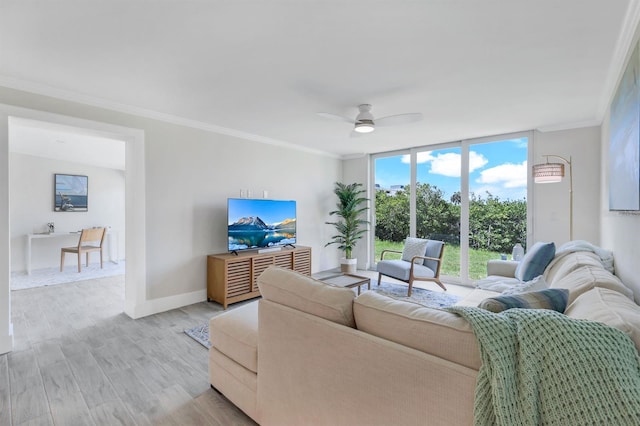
{"points": [[365, 123]]}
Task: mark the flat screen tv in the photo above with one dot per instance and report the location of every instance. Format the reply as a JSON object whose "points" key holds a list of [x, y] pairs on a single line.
{"points": [[258, 223]]}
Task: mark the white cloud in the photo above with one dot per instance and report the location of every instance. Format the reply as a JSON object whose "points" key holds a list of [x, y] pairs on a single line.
{"points": [[448, 164], [476, 161], [506, 175]]}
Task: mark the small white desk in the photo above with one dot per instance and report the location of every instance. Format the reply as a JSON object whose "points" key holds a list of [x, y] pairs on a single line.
{"points": [[111, 236]]}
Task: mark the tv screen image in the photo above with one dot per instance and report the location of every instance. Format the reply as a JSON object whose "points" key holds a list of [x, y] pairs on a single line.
{"points": [[258, 223]]}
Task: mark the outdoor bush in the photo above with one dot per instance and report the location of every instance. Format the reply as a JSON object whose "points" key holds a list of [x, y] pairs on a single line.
{"points": [[494, 225]]}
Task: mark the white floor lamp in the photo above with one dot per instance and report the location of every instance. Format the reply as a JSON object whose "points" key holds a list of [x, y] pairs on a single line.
{"points": [[553, 173]]}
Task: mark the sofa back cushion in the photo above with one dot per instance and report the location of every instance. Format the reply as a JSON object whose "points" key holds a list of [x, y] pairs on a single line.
{"points": [[585, 278], [535, 261], [436, 332], [565, 263], [609, 307], [308, 295]]}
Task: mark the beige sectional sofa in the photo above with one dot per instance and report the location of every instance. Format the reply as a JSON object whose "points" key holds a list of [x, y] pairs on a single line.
{"points": [[310, 353]]}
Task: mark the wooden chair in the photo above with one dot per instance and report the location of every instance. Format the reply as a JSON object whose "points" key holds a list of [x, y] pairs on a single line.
{"points": [[90, 240], [420, 268]]}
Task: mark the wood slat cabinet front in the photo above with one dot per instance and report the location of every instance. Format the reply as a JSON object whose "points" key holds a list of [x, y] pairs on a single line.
{"points": [[233, 278]]}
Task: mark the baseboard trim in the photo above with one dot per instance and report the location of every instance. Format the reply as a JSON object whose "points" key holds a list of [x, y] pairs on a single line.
{"points": [[6, 343], [163, 304]]}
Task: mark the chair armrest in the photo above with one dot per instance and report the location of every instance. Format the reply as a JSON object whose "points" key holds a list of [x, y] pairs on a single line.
{"points": [[437, 259], [388, 251], [503, 268]]}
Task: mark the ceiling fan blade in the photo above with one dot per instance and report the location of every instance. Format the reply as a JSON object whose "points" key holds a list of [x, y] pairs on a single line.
{"points": [[335, 117], [393, 120]]}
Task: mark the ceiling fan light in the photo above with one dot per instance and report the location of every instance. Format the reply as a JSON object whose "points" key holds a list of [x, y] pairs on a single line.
{"points": [[365, 126]]}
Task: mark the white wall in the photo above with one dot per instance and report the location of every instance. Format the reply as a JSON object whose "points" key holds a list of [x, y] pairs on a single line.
{"points": [[188, 174], [31, 208], [6, 327], [357, 170], [551, 201]]}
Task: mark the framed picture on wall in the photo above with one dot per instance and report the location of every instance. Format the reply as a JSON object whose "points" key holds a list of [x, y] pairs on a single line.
{"points": [[71, 193], [624, 145]]}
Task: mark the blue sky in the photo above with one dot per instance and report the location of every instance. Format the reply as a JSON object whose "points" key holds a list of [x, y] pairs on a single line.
{"points": [[270, 211], [497, 167]]}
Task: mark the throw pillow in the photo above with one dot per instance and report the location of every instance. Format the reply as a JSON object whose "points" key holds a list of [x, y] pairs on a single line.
{"points": [[551, 298], [414, 247], [535, 261]]}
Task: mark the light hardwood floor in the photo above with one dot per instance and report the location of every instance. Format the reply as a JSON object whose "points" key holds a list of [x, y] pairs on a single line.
{"points": [[78, 360]]}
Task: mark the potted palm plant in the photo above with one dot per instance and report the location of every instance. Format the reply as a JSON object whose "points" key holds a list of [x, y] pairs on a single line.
{"points": [[350, 226]]}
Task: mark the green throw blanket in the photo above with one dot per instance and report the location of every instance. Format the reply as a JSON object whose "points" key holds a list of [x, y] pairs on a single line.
{"points": [[543, 368]]}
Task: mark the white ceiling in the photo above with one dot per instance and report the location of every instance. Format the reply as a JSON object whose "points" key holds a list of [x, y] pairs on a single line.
{"points": [[65, 143], [262, 69]]}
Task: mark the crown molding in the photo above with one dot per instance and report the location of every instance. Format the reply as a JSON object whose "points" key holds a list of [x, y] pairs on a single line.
{"points": [[67, 95], [569, 126], [624, 43]]}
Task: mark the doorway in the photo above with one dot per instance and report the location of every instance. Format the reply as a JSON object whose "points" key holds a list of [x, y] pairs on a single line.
{"points": [[135, 218], [91, 168]]}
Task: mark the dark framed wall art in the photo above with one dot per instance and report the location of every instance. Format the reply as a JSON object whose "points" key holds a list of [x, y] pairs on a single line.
{"points": [[71, 193]]}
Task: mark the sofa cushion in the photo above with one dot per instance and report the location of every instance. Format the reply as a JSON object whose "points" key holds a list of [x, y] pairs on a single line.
{"points": [[565, 263], [433, 331], [538, 283], [235, 334], [554, 299], [497, 283], [503, 268], [475, 297], [585, 278], [535, 261], [308, 295], [608, 307], [414, 247]]}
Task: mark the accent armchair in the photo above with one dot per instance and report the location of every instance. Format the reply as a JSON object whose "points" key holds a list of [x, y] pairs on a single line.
{"points": [[421, 261]]}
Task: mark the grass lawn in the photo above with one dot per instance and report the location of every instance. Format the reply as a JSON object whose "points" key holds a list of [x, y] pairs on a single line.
{"points": [[451, 262]]}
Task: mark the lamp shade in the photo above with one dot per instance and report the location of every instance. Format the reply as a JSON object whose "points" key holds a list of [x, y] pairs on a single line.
{"points": [[548, 172]]}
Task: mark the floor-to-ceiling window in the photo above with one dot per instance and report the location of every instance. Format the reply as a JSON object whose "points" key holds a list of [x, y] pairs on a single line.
{"points": [[497, 200], [392, 202], [438, 202], [471, 194]]}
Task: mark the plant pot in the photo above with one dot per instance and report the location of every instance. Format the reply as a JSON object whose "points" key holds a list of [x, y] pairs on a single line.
{"points": [[348, 266]]}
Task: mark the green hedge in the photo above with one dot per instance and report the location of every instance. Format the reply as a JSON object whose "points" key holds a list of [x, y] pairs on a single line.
{"points": [[495, 226]]}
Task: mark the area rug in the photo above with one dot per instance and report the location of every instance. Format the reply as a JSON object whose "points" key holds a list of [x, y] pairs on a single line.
{"points": [[431, 299], [200, 334], [53, 276]]}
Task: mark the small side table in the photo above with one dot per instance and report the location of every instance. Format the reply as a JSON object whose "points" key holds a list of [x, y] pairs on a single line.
{"points": [[347, 281]]}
